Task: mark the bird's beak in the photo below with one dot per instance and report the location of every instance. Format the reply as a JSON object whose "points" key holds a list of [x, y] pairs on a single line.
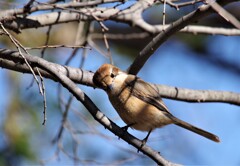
{"points": [[110, 87]]}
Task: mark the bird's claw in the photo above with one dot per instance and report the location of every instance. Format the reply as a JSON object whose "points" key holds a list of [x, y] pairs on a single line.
{"points": [[125, 129], [144, 141]]}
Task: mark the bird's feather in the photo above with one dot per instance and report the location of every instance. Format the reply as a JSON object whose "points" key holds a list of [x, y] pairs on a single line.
{"points": [[146, 92]]}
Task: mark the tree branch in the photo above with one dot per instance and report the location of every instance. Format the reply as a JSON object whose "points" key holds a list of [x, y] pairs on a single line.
{"points": [[199, 96], [10, 60], [54, 18], [10, 14]]}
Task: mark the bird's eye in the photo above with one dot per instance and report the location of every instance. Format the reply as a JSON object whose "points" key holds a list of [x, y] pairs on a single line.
{"points": [[112, 75]]}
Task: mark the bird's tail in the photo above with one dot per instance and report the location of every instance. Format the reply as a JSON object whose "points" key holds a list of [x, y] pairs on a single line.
{"points": [[195, 129]]}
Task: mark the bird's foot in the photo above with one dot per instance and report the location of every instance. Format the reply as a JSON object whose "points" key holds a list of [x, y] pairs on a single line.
{"points": [[125, 128], [144, 141]]}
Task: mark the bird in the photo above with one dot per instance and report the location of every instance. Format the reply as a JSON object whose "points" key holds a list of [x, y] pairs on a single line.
{"points": [[138, 103]]}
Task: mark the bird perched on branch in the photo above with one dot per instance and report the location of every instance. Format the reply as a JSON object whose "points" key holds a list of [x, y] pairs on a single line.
{"points": [[138, 103]]}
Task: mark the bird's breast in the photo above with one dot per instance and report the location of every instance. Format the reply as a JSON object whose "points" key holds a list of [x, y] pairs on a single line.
{"points": [[141, 114]]}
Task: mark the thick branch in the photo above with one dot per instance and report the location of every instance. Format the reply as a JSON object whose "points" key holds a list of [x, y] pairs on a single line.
{"points": [[10, 60], [54, 18], [200, 96], [10, 14]]}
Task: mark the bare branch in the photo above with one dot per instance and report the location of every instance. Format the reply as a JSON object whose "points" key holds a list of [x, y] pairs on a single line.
{"points": [[40, 84], [11, 60], [57, 46], [181, 4], [188, 29], [211, 30], [10, 14], [54, 18], [199, 96], [44, 98], [28, 5]]}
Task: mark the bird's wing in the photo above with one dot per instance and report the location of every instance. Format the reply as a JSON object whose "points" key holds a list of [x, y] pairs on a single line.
{"points": [[147, 93]]}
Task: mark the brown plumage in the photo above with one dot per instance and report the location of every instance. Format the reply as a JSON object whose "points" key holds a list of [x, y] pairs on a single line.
{"points": [[138, 103]]}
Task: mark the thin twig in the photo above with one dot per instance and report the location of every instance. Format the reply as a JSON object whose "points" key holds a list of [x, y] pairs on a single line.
{"points": [[164, 13], [106, 43], [28, 5], [18, 46], [47, 41], [44, 98], [182, 4], [64, 120], [57, 46], [41, 84], [91, 42]]}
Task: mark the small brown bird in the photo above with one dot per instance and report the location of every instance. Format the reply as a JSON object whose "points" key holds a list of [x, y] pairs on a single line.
{"points": [[137, 102]]}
